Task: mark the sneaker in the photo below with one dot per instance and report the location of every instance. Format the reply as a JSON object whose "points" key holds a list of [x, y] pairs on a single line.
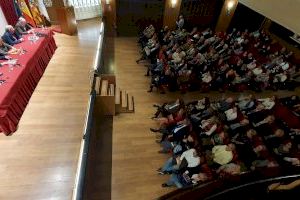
{"points": [[154, 130], [161, 173], [164, 185]]}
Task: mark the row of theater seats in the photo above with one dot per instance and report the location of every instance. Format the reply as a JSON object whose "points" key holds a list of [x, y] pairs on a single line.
{"points": [[226, 138], [207, 60]]}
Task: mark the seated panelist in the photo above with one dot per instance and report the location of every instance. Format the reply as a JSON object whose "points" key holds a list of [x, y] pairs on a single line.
{"points": [[11, 37], [22, 27], [6, 49]]}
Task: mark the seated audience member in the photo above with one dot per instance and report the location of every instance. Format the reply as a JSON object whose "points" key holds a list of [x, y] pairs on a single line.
{"points": [[189, 156], [22, 27], [230, 137], [11, 37], [186, 179], [171, 165], [219, 61], [146, 34], [229, 169], [223, 154], [246, 103], [171, 119], [190, 173], [168, 108], [175, 136]]}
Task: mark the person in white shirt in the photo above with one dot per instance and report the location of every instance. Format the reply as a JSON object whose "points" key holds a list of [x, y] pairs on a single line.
{"points": [[178, 55], [180, 22], [192, 158]]}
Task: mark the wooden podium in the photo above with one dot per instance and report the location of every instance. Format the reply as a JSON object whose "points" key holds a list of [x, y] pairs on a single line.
{"points": [[64, 16], [66, 19]]}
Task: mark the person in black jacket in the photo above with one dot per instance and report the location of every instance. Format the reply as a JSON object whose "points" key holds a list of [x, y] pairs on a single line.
{"points": [[11, 37], [22, 27]]}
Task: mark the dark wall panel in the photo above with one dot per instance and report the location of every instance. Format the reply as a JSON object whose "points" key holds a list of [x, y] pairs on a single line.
{"points": [[281, 31], [245, 18], [134, 15], [201, 13]]}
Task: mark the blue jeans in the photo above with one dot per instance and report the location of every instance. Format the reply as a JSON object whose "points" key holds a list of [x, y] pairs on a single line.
{"points": [[174, 180], [166, 145], [169, 166]]}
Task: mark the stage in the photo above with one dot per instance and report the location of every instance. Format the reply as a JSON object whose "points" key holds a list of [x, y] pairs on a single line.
{"points": [[20, 80], [39, 160]]}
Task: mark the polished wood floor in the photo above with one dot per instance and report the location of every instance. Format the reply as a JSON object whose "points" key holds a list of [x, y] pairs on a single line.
{"points": [[39, 161], [134, 155]]}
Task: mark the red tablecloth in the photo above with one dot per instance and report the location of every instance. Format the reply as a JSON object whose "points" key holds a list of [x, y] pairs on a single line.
{"points": [[21, 81]]}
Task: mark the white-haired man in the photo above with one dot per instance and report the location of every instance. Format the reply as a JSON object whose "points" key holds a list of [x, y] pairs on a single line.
{"points": [[22, 27], [11, 37]]}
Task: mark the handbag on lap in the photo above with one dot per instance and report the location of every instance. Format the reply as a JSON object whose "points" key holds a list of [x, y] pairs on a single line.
{"points": [[183, 165]]}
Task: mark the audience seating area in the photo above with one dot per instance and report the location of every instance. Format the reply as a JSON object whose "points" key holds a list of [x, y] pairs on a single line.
{"points": [[206, 60], [209, 140]]}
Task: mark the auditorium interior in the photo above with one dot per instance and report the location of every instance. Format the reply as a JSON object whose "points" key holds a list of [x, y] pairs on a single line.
{"points": [[149, 99]]}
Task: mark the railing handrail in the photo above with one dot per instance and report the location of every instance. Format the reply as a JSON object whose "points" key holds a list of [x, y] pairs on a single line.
{"points": [[218, 189], [252, 183], [98, 59], [78, 189], [84, 147]]}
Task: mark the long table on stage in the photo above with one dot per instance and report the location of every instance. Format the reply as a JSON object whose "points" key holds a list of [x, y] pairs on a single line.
{"points": [[22, 79]]}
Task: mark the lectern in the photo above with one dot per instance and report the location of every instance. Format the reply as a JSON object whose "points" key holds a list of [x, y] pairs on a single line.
{"points": [[66, 19], [63, 15]]}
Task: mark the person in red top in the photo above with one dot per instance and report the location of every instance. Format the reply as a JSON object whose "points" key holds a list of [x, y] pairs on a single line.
{"points": [[162, 53]]}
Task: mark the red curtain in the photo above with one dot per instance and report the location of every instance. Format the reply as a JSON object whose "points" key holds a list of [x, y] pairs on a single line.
{"points": [[9, 11]]}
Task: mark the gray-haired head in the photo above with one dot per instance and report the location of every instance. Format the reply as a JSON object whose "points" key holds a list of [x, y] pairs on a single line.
{"points": [[9, 28], [22, 19]]}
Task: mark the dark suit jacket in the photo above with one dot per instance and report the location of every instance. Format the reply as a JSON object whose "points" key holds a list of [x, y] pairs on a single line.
{"points": [[22, 30], [11, 38]]}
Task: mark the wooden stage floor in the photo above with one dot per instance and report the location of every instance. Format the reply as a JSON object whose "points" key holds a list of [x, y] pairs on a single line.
{"points": [[39, 161]]}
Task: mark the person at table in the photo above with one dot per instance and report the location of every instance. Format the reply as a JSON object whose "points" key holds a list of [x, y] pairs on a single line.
{"points": [[11, 37], [22, 27], [6, 49]]}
